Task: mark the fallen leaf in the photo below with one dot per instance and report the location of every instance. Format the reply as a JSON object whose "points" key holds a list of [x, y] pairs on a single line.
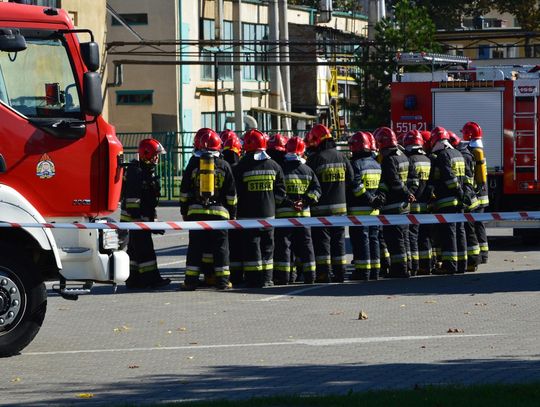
{"points": [[167, 303], [85, 395], [16, 380], [63, 309], [423, 347], [430, 302], [402, 306], [455, 331], [161, 322], [133, 366], [181, 329], [193, 343], [169, 332], [467, 313], [362, 315], [480, 304], [190, 357]]}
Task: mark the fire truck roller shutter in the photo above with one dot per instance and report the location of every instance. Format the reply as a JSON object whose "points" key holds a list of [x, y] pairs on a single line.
{"points": [[452, 108]]}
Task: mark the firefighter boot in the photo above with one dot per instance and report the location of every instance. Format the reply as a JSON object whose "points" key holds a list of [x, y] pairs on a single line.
{"points": [[281, 277]]}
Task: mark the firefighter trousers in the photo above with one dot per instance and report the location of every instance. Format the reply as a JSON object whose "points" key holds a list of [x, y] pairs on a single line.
{"points": [[235, 256], [396, 237], [473, 248], [481, 235], [297, 241], [366, 252], [201, 242], [143, 269], [329, 247], [425, 259], [257, 261], [453, 243]]}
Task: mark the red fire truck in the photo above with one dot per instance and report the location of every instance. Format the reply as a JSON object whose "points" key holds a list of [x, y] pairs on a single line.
{"points": [[60, 161], [504, 100]]}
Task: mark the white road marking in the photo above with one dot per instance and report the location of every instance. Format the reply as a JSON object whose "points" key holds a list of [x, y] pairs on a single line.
{"points": [[292, 293], [295, 342], [171, 263]]}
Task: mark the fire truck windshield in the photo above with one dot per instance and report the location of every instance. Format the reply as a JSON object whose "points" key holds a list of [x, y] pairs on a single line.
{"points": [[38, 82]]}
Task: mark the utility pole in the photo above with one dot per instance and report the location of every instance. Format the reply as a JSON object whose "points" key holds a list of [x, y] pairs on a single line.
{"points": [[237, 69], [275, 77], [284, 55]]}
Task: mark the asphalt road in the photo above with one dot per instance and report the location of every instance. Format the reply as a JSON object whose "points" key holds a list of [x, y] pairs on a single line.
{"points": [[138, 347]]}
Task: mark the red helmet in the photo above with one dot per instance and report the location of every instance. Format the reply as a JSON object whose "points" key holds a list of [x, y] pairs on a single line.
{"points": [[471, 131], [360, 141], [295, 145], [225, 134], [413, 138], [385, 137], [277, 142], [308, 140], [400, 138], [254, 140], [233, 143], [453, 138], [318, 133], [426, 135], [149, 150], [372, 142], [438, 134], [198, 135], [210, 141]]}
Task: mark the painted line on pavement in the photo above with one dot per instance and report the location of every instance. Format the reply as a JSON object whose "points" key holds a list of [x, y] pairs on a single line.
{"points": [[292, 293], [296, 342]]}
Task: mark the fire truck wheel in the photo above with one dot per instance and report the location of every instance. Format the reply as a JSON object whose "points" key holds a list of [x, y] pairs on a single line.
{"points": [[23, 302]]}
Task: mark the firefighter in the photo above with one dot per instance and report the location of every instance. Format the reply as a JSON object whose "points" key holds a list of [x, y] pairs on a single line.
{"points": [[472, 132], [276, 148], [335, 175], [303, 190], [364, 200], [140, 196], [447, 179], [470, 201], [419, 238], [260, 186], [208, 185], [232, 149], [394, 174]]}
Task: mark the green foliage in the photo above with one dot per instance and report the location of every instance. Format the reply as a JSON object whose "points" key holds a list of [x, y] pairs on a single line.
{"points": [[410, 29], [526, 11], [343, 5]]}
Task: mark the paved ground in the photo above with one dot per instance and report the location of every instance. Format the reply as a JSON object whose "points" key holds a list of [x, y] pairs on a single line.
{"points": [[163, 346]]}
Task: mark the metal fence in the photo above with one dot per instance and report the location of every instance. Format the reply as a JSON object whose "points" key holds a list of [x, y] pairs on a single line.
{"points": [[179, 148]]}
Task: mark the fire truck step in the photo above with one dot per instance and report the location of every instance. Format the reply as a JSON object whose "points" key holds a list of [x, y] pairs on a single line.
{"points": [[72, 291]]}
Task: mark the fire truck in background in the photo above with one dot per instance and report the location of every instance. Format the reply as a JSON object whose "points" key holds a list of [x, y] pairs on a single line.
{"points": [[60, 161], [503, 100]]}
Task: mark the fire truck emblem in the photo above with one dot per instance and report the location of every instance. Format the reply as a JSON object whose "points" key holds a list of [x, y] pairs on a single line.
{"points": [[527, 89], [45, 167]]}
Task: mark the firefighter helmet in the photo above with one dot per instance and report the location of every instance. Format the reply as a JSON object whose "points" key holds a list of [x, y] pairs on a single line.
{"points": [[254, 140], [226, 134], [385, 137], [295, 145], [210, 141], [372, 142], [360, 142], [426, 135], [438, 134], [454, 139], [318, 133], [400, 138], [413, 138], [149, 150], [198, 135], [277, 142], [233, 143], [471, 131]]}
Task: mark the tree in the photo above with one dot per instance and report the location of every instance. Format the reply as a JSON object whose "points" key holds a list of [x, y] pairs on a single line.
{"points": [[344, 5], [409, 29], [526, 11]]}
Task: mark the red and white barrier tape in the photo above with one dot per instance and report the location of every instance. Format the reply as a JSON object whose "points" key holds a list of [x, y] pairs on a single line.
{"points": [[327, 221]]}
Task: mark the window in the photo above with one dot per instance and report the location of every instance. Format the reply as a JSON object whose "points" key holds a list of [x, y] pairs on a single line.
{"points": [[511, 51], [134, 97], [255, 32], [498, 53], [225, 72], [483, 52], [132, 19], [208, 119]]}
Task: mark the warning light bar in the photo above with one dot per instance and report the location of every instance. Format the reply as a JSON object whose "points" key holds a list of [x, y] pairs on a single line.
{"points": [[426, 58]]}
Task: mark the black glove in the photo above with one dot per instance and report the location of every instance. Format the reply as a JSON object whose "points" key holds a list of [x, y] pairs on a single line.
{"points": [[158, 232], [378, 201]]}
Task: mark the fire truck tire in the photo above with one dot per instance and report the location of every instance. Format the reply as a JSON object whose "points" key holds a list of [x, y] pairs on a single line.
{"points": [[23, 302]]}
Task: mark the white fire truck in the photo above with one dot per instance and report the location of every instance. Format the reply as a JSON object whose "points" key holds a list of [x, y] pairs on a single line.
{"points": [[503, 100]]}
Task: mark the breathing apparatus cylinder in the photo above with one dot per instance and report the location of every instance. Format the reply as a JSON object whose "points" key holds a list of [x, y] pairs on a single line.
{"points": [[206, 177]]}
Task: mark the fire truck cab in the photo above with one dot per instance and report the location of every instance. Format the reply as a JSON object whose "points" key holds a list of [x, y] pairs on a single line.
{"points": [[60, 161], [503, 100]]}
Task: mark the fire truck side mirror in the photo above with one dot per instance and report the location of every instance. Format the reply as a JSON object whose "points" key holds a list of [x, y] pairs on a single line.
{"points": [[93, 101], [90, 55], [3, 166]]}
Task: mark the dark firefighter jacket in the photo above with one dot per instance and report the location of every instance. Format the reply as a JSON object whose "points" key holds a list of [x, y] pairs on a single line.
{"points": [[396, 170], [140, 193], [260, 187], [480, 176], [470, 200], [335, 175], [447, 177], [367, 176], [421, 165], [222, 205], [301, 184]]}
